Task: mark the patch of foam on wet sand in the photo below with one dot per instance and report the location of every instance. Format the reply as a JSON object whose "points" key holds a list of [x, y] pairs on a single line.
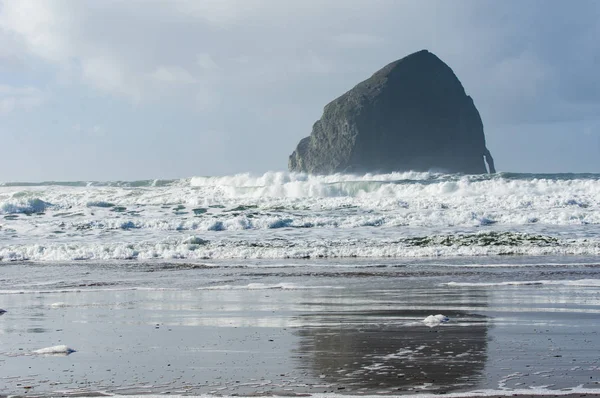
{"points": [[435, 320], [55, 350]]}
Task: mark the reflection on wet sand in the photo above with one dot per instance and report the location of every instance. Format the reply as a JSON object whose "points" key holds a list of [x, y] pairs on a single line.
{"points": [[386, 354], [368, 337]]}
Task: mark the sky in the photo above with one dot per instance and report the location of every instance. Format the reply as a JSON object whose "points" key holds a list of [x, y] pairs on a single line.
{"points": [[127, 90]]}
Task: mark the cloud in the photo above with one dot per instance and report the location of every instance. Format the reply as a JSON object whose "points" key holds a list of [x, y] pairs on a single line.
{"points": [[205, 61], [93, 131], [357, 40], [314, 63], [206, 99], [173, 75], [516, 89], [128, 48], [508, 54], [73, 36], [43, 27], [19, 98], [109, 75], [220, 13]]}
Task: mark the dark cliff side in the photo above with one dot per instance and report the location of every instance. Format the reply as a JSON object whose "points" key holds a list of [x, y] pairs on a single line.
{"points": [[413, 114]]}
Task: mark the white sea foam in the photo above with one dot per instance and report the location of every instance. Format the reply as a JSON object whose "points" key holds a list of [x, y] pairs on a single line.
{"points": [[286, 246], [421, 189], [23, 205], [435, 320], [55, 350], [283, 215], [282, 248]]}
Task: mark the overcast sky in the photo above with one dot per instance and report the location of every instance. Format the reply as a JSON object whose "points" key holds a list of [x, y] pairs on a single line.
{"points": [[105, 90]]}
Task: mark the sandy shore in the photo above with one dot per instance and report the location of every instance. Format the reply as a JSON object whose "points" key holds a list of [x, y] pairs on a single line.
{"points": [[263, 333]]}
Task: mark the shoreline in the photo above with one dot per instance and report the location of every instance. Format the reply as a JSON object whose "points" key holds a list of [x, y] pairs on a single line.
{"points": [[323, 331]]}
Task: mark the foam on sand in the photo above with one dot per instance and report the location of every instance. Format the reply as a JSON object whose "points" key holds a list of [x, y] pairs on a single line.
{"points": [[435, 320], [55, 350]]}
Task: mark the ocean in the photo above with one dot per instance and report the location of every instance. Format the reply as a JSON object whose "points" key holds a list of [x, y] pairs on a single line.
{"points": [[280, 216], [286, 284]]}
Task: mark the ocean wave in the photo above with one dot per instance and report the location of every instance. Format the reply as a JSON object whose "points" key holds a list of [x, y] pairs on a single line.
{"points": [[338, 215], [280, 189], [24, 205]]}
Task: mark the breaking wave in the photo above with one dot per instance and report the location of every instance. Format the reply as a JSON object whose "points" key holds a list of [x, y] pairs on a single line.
{"points": [[294, 215]]}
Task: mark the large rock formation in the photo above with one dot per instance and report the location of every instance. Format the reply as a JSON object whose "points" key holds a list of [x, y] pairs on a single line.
{"points": [[413, 114]]}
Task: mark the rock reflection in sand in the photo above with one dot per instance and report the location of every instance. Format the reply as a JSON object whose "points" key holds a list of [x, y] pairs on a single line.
{"points": [[403, 355]]}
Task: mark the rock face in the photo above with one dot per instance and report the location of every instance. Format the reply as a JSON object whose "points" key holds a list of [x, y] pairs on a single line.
{"points": [[413, 114]]}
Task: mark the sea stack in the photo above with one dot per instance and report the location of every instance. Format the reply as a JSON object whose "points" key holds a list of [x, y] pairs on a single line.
{"points": [[413, 114]]}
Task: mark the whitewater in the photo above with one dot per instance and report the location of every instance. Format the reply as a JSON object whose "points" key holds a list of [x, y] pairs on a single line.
{"points": [[280, 215]]}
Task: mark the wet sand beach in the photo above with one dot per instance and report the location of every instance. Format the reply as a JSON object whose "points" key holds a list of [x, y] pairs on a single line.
{"points": [[331, 329]]}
